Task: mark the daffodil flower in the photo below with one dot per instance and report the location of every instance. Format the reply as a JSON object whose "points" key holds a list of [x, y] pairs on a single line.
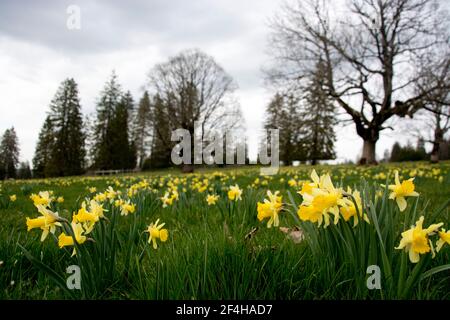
{"points": [[270, 209], [211, 199], [127, 208], [402, 190], [444, 238], [168, 199], [41, 199], [156, 232], [235, 193], [321, 197], [47, 222], [65, 240], [349, 209], [415, 240], [89, 218]]}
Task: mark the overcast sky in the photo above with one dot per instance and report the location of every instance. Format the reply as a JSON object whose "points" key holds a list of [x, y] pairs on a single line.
{"points": [[38, 51]]}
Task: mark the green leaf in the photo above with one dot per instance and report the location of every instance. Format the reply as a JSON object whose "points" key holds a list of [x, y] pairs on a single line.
{"points": [[58, 279], [433, 271]]}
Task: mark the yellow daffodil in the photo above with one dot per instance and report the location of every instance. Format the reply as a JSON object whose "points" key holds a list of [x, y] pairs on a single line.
{"points": [[415, 240], [127, 208], [401, 190], [96, 208], [444, 238], [156, 232], [92, 190], [235, 194], [89, 218], [43, 198], [65, 240], [110, 193], [270, 209], [118, 202], [349, 209], [211, 199], [47, 222], [310, 213], [100, 197], [292, 183], [168, 199], [12, 198], [60, 200], [321, 196]]}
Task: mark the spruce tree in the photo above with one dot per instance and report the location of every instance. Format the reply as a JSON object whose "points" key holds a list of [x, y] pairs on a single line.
{"points": [[143, 129], [282, 113], [68, 151], [106, 108], [161, 144], [395, 152], [9, 154], [43, 152], [24, 171], [122, 153], [318, 117]]}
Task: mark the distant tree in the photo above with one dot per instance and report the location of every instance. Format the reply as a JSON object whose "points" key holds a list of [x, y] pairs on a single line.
{"points": [[24, 171], [68, 152], [43, 152], [161, 148], [408, 152], [282, 113], [305, 123], [143, 129], [395, 152], [90, 143], [386, 155], [122, 150], [421, 145], [9, 154], [444, 150], [319, 118], [106, 107], [194, 88]]}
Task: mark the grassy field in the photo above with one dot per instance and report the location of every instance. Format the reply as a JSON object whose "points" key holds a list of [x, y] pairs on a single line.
{"points": [[222, 250]]}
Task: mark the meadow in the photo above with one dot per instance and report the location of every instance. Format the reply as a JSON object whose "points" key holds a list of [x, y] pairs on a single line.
{"points": [[225, 237]]}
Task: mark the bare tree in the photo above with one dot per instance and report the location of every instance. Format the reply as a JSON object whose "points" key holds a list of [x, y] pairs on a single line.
{"points": [[372, 56], [434, 119], [194, 88]]}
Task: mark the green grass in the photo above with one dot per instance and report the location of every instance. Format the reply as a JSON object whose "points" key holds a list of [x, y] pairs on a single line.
{"points": [[209, 254]]}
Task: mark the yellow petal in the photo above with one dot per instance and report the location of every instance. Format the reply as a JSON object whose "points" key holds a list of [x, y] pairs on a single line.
{"points": [[401, 202]]}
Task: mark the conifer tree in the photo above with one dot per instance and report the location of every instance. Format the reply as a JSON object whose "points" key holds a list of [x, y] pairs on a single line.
{"points": [[43, 152], [143, 129], [122, 150], [282, 114], [68, 152], [161, 147], [24, 171], [9, 154], [318, 117], [106, 107]]}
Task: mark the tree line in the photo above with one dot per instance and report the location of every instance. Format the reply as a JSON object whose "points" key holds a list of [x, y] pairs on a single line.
{"points": [[189, 88]]}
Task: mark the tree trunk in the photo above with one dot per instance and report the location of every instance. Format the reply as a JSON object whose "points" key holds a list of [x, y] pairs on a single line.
{"points": [[368, 154], [187, 168], [438, 138]]}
